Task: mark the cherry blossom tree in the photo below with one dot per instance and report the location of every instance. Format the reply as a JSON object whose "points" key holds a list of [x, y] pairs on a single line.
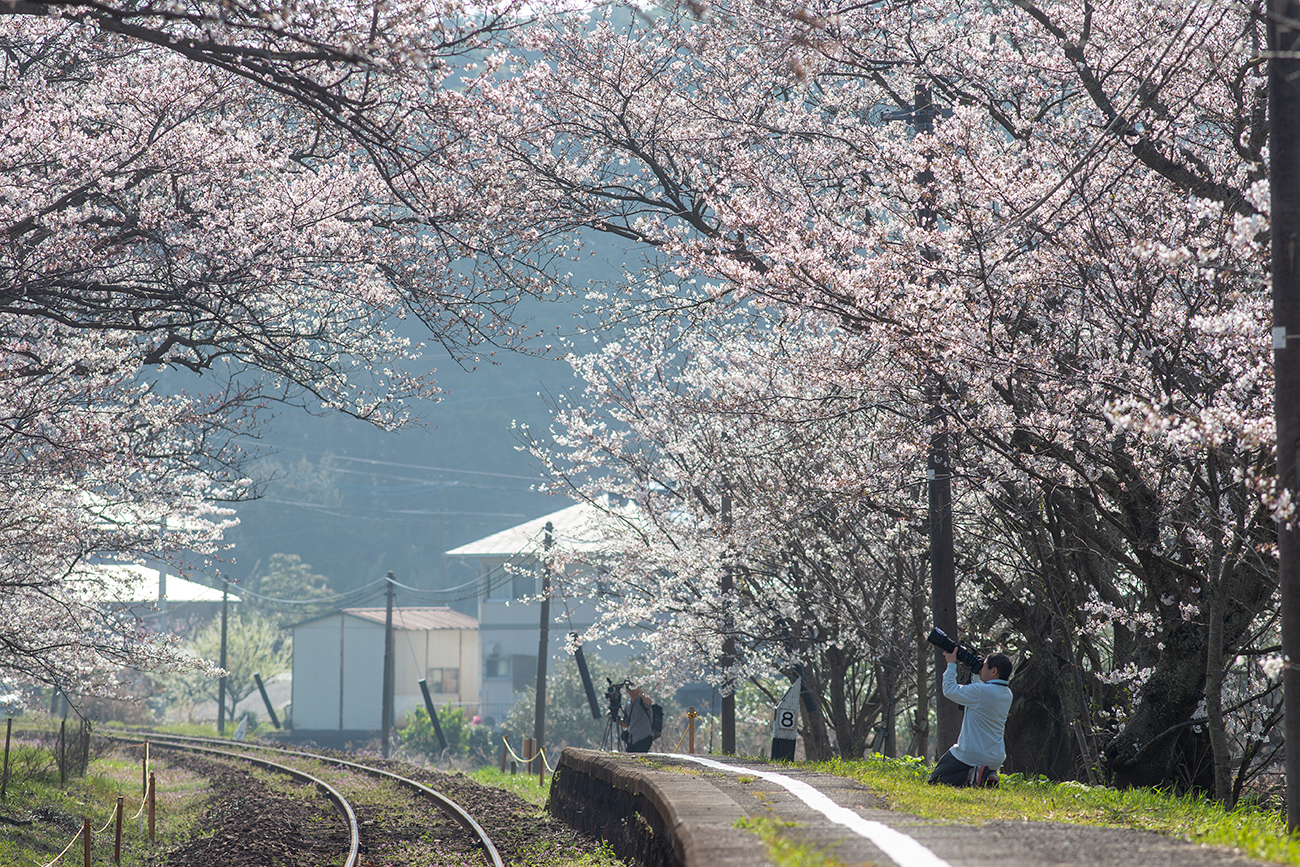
{"points": [[233, 192], [1065, 261], [674, 422]]}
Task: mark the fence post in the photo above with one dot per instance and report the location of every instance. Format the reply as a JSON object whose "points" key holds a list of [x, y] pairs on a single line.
{"points": [[85, 841], [690, 723], [503, 753], [117, 835], [152, 806], [530, 744], [541, 767], [85, 746], [4, 781], [63, 753]]}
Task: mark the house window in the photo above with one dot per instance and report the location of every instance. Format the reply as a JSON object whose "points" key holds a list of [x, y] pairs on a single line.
{"points": [[523, 584], [510, 581], [496, 582], [525, 672], [496, 666], [444, 680]]}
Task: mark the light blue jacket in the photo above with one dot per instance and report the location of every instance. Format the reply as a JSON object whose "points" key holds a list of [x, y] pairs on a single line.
{"points": [[987, 706]]}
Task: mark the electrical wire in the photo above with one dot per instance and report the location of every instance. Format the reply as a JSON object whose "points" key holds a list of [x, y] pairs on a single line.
{"points": [[360, 592]]}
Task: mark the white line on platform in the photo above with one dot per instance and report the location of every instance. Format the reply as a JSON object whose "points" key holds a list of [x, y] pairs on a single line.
{"points": [[904, 851]]}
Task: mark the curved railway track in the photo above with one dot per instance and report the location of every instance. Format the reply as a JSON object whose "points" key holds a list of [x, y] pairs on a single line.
{"points": [[246, 753]]}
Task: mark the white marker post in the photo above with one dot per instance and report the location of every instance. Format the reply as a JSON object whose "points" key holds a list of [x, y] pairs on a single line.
{"points": [[785, 724]]}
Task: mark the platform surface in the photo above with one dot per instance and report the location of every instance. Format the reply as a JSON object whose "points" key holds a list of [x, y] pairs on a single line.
{"points": [[702, 802]]}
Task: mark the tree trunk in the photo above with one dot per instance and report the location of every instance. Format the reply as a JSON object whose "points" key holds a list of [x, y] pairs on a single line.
{"points": [[1154, 749], [1039, 734], [886, 679], [1214, 698], [816, 737], [921, 721]]}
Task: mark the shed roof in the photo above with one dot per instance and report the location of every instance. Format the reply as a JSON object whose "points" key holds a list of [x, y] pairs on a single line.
{"points": [[574, 528], [417, 619]]}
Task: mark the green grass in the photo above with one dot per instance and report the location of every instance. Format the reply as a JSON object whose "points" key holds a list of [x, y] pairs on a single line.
{"points": [[901, 782], [547, 854], [783, 851], [34, 790], [525, 786]]}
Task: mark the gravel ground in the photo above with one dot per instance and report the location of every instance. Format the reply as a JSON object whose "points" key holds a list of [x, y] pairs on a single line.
{"points": [[515, 826], [250, 824]]}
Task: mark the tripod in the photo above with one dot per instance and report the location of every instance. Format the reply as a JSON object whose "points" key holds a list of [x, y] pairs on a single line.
{"points": [[610, 741]]}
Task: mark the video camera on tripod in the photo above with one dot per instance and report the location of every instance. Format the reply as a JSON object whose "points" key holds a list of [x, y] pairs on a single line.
{"points": [[614, 696]]}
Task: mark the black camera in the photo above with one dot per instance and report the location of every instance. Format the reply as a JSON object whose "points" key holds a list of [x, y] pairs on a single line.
{"points": [[940, 639], [614, 696]]}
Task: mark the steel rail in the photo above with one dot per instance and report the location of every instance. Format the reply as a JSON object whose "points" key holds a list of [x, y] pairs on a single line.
{"points": [[333, 794], [447, 805]]}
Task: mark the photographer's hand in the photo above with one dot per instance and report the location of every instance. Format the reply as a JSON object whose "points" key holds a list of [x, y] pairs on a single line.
{"points": [[950, 656]]}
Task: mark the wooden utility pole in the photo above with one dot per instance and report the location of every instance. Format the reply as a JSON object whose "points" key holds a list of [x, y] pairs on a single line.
{"points": [[386, 715], [1284, 192], [221, 685], [728, 713], [943, 570], [4, 780], [939, 473], [543, 641]]}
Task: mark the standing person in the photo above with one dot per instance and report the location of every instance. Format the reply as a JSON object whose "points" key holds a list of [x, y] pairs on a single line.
{"points": [[980, 749], [638, 719]]}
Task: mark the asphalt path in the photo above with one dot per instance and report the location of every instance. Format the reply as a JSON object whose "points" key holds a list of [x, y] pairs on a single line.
{"points": [[847, 821]]}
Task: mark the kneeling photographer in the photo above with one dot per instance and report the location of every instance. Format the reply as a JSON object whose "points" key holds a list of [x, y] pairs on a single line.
{"points": [[980, 749], [638, 720]]}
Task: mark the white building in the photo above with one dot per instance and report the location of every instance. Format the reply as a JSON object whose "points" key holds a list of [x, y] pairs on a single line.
{"points": [[338, 669], [165, 601], [509, 566]]}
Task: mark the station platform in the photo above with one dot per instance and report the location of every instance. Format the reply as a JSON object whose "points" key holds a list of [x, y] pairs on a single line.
{"points": [[671, 810]]}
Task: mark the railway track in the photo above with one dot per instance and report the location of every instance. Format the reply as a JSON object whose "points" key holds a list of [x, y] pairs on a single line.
{"points": [[258, 755]]}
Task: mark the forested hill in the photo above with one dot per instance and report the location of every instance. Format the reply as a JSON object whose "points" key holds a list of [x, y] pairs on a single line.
{"points": [[355, 502]]}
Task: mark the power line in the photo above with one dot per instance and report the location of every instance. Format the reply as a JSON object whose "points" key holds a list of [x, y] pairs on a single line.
{"points": [[354, 513], [420, 466], [358, 593]]}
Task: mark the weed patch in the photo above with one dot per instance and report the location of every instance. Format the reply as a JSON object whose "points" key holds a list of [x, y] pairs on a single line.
{"points": [[781, 849]]}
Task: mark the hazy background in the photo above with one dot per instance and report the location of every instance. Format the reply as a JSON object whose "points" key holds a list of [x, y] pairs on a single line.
{"points": [[354, 502]]}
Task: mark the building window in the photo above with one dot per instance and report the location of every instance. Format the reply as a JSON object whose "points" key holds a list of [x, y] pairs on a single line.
{"points": [[444, 680], [497, 582], [523, 583], [511, 580], [525, 672], [496, 666]]}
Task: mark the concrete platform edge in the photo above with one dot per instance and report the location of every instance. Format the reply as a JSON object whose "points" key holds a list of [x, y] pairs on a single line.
{"points": [[657, 818]]}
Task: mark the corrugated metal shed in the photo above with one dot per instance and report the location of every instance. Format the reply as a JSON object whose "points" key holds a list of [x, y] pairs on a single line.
{"points": [[338, 668]]}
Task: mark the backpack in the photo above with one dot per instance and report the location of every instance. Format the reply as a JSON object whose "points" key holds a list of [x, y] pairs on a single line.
{"points": [[656, 720]]}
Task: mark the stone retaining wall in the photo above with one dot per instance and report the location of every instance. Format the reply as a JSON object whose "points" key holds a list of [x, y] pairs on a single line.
{"points": [[614, 800]]}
